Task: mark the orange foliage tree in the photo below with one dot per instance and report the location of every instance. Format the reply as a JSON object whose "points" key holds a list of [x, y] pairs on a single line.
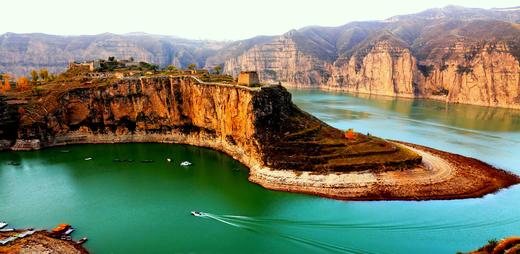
{"points": [[23, 84], [7, 85]]}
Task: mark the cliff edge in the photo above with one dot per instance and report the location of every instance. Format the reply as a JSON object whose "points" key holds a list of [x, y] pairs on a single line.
{"points": [[285, 148]]}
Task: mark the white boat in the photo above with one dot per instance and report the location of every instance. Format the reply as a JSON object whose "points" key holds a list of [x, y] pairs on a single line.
{"points": [[3, 224], [88, 158], [185, 163], [69, 231], [168, 159], [197, 214]]}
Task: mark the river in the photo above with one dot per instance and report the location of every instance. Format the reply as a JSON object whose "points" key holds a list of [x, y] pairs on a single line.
{"points": [[135, 207]]}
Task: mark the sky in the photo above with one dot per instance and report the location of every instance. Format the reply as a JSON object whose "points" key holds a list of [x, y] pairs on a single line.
{"points": [[205, 19]]}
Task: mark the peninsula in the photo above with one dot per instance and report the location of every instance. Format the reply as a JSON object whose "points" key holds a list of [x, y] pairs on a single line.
{"points": [[284, 147]]}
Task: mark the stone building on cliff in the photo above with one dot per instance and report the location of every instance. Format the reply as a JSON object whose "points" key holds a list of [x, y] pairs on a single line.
{"points": [[248, 78]]}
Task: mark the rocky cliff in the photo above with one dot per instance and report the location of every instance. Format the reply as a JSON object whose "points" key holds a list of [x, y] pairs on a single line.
{"points": [[258, 126], [284, 147], [436, 54]]}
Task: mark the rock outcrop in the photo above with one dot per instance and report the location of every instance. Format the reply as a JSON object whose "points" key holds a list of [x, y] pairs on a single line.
{"points": [[255, 125]]}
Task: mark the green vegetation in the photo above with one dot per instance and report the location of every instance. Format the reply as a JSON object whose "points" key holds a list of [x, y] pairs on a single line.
{"points": [[425, 69], [441, 92], [217, 69], [34, 75], [461, 69], [192, 66]]}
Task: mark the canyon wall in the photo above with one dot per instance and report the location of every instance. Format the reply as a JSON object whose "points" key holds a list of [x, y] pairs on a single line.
{"points": [[487, 74], [279, 60], [258, 126]]}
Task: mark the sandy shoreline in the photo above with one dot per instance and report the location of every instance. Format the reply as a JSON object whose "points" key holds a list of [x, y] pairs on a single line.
{"points": [[441, 176]]}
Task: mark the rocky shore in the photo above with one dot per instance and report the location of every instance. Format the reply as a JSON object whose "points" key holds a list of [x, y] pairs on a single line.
{"points": [[40, 242], [285, 148], [441, 175]]}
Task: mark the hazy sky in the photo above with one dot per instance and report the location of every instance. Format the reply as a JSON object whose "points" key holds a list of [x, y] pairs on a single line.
{"points": [[205, 19]]}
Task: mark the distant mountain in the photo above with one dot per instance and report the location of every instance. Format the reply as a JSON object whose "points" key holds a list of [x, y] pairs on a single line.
{"points": [[19, 53], [457, 54]]}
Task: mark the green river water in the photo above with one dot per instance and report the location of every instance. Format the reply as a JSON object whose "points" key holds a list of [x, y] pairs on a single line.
{"points": [[134, 207]]}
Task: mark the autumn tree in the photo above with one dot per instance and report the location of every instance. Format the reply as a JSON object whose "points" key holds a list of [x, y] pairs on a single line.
{"points": [[44, 74], [23, 84], [217, 69], [192, 66], [2, 90], [7, 85], [34, 75]]}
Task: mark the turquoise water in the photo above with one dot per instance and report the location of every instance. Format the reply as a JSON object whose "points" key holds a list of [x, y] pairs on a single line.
{"points": [[134, 207]]}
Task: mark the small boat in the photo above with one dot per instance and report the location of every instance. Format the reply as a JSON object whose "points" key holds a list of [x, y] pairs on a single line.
{"points": [[3, 224], [65, 151], [185, 163], [88, 158], [14, 163], [82, 240], [146, 161], [69, 231], [7, 230], [169, 159], [197, 214]]}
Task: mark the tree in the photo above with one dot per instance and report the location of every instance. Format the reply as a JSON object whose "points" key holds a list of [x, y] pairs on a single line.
{"points": [[192, 66], [131, 59], [23, 84], [217, 69], [7, 85], [34, 75], [44, 74], [171, 68], [2, 90], [111, 58]]}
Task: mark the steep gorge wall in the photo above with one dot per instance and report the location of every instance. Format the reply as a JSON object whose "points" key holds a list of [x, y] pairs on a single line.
{"points": [[487, 74], [279, 60], [158, 109]]}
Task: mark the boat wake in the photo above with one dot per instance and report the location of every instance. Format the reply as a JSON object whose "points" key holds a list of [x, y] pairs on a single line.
{"points": [[243, 223], [271, 226], [381, 226]]}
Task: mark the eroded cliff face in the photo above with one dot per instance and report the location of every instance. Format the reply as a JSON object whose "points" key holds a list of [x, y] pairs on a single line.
{"points": [[487, 74], [258, 126], [280, 60], [157, 109], [385, 70]]}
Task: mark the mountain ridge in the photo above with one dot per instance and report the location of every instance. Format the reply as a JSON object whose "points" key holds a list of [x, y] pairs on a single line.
{"points": [[455, 54]]}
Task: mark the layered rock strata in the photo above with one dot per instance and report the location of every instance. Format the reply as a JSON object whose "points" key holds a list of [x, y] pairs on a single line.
{"points": [[260, 127]]}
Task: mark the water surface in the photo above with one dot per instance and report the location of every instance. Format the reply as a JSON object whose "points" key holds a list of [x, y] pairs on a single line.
{"points": [[136, 207]]}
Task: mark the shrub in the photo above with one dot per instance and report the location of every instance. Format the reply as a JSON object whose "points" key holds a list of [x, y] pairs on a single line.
{"points": [[425, 69], [461, 69]]}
